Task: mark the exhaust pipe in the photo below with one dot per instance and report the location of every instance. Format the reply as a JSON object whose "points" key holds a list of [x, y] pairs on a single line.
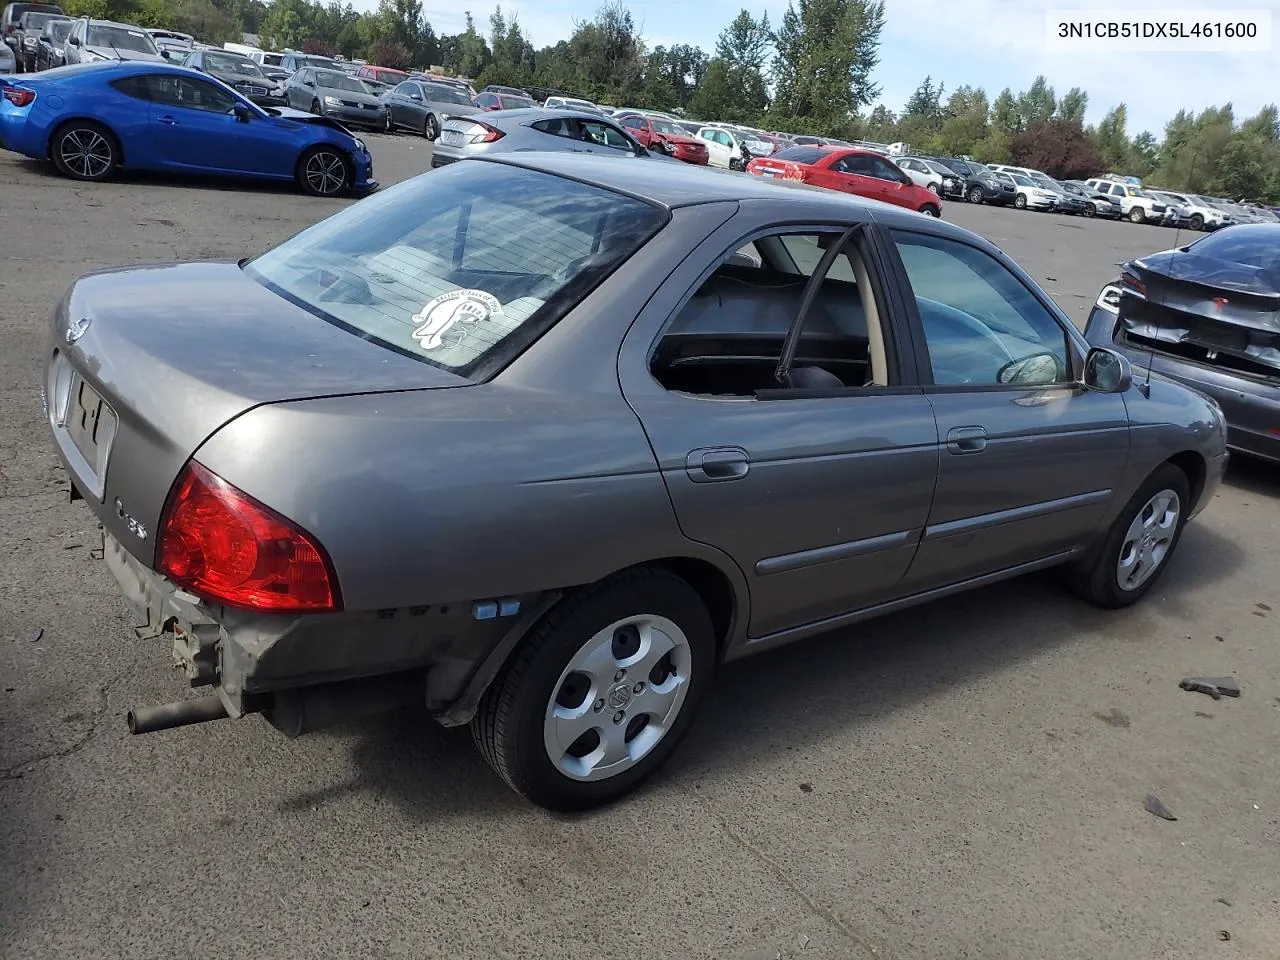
{"points": [[180, 714]]}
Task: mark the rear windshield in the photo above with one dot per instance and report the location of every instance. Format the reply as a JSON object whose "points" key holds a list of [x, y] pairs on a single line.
{"points": [[33, 21], [440, 93], [799, 154], [460, 267], [1254, 245], [512, 102]]}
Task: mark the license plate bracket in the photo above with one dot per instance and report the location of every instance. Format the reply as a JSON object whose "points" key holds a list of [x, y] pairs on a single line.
{"points": [[91, 425], [451, 138]]}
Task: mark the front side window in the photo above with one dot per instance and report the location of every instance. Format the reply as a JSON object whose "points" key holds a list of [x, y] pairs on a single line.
{"points": [[605, 135], [448, 268], [982, 326]]}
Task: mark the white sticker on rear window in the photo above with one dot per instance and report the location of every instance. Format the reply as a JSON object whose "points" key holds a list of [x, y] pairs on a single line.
{"points": [[443, 321]]}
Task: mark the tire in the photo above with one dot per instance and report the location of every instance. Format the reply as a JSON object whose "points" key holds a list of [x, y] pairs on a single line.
{"points": [[317, 168], [516, 727], [1196, 222], [932, 188], [931, 210], [431, 127], [388, 125], [1020, 202], [1136, 215], [1090, 210], [976, 195], [1097, 577], [315, 109], [84, 150]]}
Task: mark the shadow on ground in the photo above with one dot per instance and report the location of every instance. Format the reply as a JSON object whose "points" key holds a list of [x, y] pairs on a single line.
{"points": [[784, 699]]}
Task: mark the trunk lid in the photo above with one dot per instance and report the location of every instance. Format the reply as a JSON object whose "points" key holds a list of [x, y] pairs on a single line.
{"points": [[145, 363], [1200, 308]]}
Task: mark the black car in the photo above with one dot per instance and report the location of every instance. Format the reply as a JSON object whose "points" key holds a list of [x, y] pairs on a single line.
{"points": [[1103, 206], [27, 37], [240, 73], [49, 45], [980, 185], [1206, 314]]}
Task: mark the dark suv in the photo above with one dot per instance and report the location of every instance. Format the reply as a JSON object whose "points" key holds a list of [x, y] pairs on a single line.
{"points": [[979, 184]]}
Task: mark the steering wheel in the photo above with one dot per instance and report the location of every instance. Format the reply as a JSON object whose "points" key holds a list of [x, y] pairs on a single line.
{"points": [[962, 349]]}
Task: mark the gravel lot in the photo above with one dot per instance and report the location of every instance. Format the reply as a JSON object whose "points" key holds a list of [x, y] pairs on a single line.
{"points": [[964, 780]]}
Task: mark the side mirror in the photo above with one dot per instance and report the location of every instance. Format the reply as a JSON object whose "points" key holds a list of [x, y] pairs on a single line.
{"points": [[74, 41], [243, 113], [165, 54], [1107, 371], [1037, 370]]}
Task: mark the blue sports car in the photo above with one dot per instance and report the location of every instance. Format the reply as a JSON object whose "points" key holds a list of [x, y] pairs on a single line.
{"points": [[94, 118]]}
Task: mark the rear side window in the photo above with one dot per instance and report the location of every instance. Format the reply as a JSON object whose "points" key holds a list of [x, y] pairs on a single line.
{"points": [[136, 87], [463, 268], [799, 154]]}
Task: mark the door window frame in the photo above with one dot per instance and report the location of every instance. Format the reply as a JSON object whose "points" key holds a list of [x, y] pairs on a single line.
{"points": [[1077, 346], [900, 361]]}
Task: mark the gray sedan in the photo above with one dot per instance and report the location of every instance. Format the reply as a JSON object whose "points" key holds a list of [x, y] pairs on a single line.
{"points": [[422, 107], [331, 93], [503, 131], [537, 441]]}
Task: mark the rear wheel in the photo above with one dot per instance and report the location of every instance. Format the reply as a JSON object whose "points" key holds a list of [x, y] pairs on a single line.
{"points": [[931, 210], [84, 150], [1020, 202], [324, 172], [975, 194], [1137, 547], [601, 692], [933, 188], [431, 127], [388, 125], [1137, 215], [1197, 222], [1090, 210]]}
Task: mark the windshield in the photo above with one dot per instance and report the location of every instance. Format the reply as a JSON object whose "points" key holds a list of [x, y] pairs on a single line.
{"points": [[335, 80], [272, 59], [1020, 180], [1071, 188], [1044, 182], [225, 63], [33, 21], [444, 268], [121, 38], [939, 168], [666, 126], [442, 94], [58, 30], [511, 102]]}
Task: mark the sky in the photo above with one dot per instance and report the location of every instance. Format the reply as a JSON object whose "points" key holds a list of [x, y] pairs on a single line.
{"points": [[989, 43]]}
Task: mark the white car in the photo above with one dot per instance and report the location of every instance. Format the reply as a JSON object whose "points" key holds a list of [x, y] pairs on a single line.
{"points": [[572, 103], [1028, 195], [920, 173], [1135, 204], [1201, 215], [724, 148]]}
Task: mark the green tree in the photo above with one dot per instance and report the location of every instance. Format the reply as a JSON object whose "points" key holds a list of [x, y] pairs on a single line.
{"points": [[826, 52], [1038, 103], [966, 121], [1073, 105], [1111, 140], [1005, 118], [743, 48], [473, 52]]}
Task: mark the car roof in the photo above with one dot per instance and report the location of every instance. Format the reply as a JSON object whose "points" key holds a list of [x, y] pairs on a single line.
{"points": [[528, 114]]}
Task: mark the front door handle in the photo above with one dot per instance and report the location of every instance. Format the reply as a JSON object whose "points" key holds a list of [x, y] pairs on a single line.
{"points": [[712, 464], [962, 440], [170, 121]]}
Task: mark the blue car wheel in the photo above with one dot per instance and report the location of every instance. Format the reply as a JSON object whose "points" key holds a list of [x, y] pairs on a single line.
{"points": [[324, 171], [84, 150]]}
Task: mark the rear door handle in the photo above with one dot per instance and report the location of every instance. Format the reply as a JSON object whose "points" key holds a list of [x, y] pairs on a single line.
{"points": [[170, 121], [712, 464], [966, 439]]}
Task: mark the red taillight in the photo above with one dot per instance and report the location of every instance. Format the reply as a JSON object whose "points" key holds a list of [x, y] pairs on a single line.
{"points": [[490, 133], [796, 173], [1135, 285], [222, 544], [19, 96]]}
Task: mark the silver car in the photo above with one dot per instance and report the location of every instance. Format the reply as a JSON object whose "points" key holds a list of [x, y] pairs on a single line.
{"points": [[503, 131], [535, 442], [8, 64], [423, 107], [334, 94]]}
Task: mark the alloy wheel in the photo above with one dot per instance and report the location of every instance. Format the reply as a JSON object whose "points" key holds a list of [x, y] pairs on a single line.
{"points": [[326, 173], [618, 697], [431, 129], [1148, 539], [86, 152]]}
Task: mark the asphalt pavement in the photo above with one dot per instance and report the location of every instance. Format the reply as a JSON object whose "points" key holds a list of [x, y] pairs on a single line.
{"points": [[965, 780]]}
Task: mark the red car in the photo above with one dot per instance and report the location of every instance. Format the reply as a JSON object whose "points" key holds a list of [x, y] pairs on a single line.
{"points": [[659, 134], [860, 172], [489, 100]]}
